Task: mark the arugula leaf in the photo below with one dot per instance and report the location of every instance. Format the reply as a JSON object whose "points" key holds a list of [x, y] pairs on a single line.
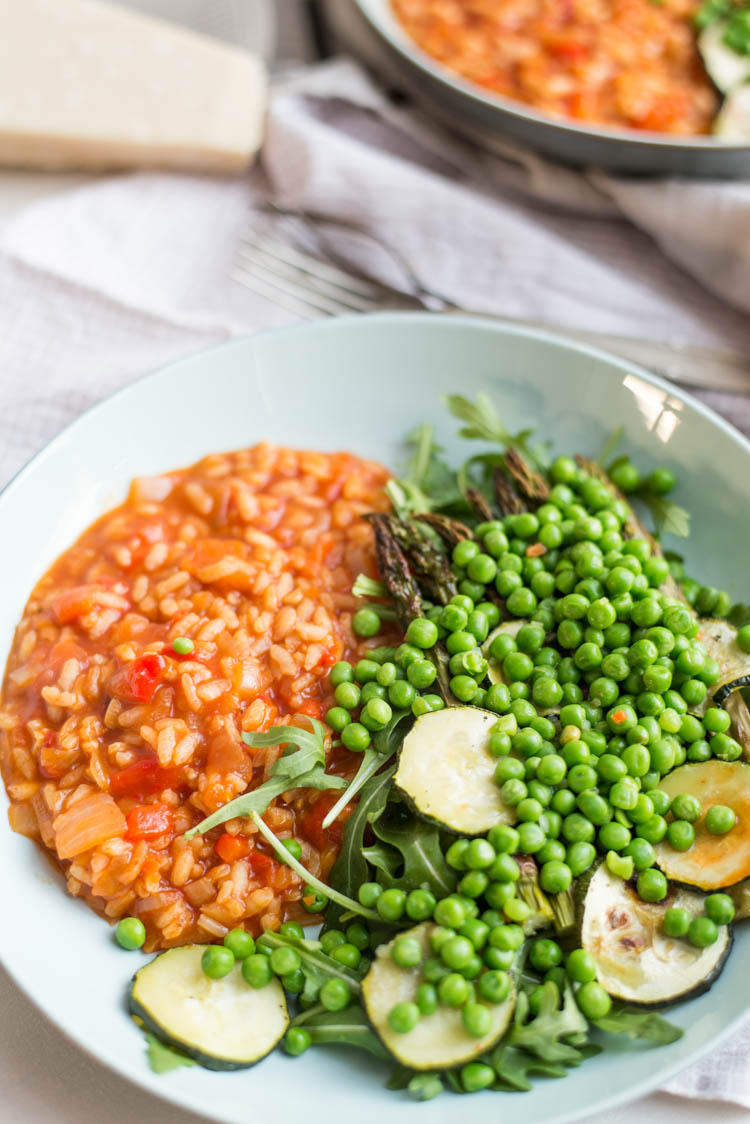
{"points": [[312, 883], [384, 858], [422, 862], [317, 966], [609, 447], [484, 424], [350, 869], [545, 1045], [644, 1025], [163, 1059], [429, 483], [669, 518], [344, 1028], [384, 744], [302, 765], [419, 1085]]}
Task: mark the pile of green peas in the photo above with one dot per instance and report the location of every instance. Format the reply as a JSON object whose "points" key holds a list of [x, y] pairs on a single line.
{"points": [[701, 930], [600, 645]]}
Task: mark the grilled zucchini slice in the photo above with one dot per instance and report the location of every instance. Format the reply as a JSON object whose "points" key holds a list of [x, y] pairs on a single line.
{"points": [[720, 640], [733, 121], [635, 961], [447, 773], [713, 861], [223, 1024], [727, 68], [438, 1041]]}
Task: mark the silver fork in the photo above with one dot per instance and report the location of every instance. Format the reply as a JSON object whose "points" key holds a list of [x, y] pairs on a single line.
{"points": [[305, 284]]}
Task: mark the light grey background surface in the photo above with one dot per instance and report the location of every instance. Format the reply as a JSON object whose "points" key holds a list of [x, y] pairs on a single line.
{"points": [[44, 1079]]}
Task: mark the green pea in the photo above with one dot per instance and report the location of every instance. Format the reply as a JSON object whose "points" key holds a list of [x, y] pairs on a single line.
{"points": [[686, 807], [652, 885], [372, 690], [593, 1001], [580, 966], [451, 913], [720, 819], [341, 672], [720, 908], [480, 854], [531, 838], [494, 986], [358, 935], [595, 808], [474, 884], [240, 943], [614, 837], [284, 961], [217, 961], [406, 952], [355, 737], [454, 990], [420, 905], [366, 622], [464, 551], [368, 894], [661, 803], [422, 633], [335, 995], [555, 876], [256, 970], [641, 852], [348, 955], [503, 838], [130, 933], [577, 829], [702, 932], [676, 922], [403, 1017], [477, 1076], [391, 905], [422, 674]]}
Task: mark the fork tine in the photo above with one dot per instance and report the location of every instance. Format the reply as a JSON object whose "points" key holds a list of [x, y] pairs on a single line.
{"points": [[279, 268], [320, 270], [283, 300], [301, 293], [304, 288]]}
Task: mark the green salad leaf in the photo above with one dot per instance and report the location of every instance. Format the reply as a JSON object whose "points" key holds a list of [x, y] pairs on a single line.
{"points": [[384, 744], [302, 765], [643, 1025], [416, 853], [349, 1027], [669, 518], [163, 1059], [350, 869], [317, 966], [483, 423], [545, 1044]]}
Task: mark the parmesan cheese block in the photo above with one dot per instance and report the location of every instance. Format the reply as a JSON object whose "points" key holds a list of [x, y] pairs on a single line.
{"points": [[86, 84]]}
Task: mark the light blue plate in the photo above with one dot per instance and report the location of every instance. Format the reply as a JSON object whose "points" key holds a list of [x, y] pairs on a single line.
{"points": [[358, 384]]}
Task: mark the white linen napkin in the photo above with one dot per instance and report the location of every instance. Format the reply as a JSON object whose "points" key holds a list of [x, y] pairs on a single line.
{"points": [[108, 281]]}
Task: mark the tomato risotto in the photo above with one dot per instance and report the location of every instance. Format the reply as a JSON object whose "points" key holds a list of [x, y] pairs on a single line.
{"points": [[212, 603], [631, 63]]}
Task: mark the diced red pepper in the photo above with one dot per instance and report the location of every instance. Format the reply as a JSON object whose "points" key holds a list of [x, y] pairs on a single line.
{"points": [[143, 778], [312, 708], [311, 822], [262, 865], [138, 681], [229, 848], [148, 821]]}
